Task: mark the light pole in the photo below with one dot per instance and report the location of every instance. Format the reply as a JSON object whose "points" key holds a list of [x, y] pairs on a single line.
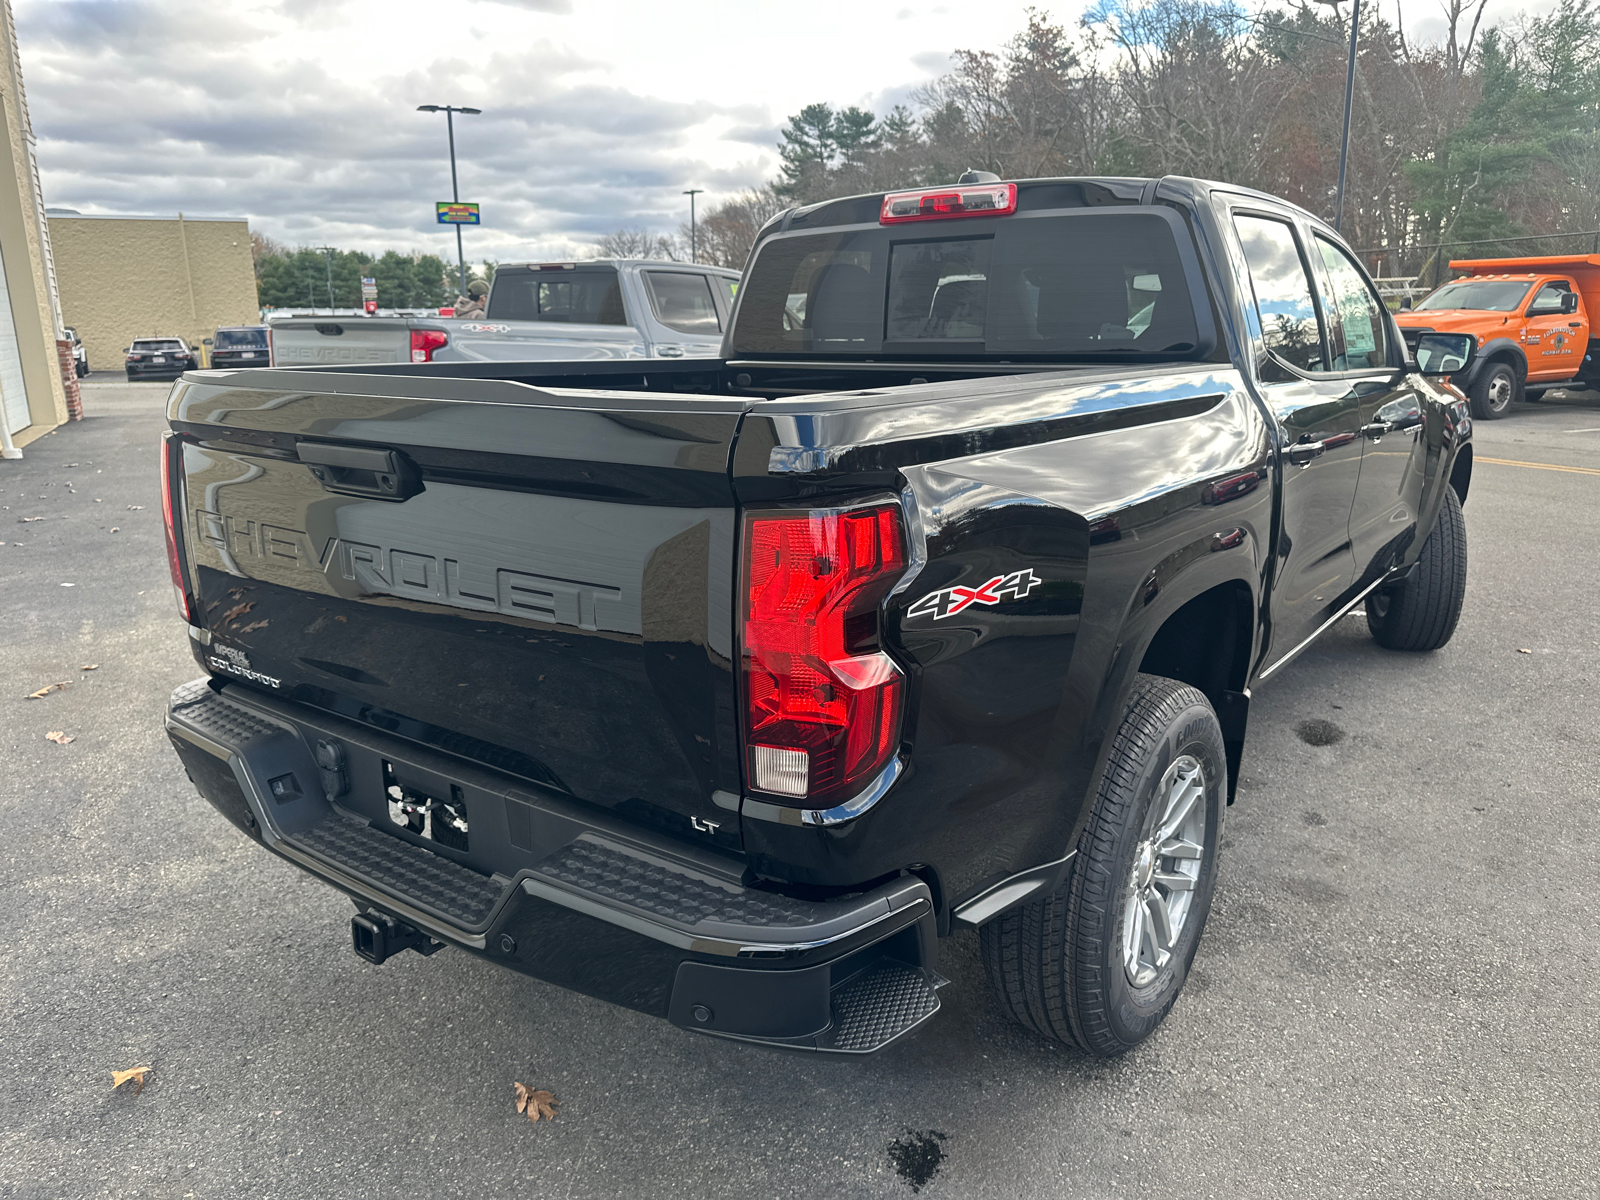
{"points": [[1349, 95], [450, 111], [327, 255], [694, 255]]}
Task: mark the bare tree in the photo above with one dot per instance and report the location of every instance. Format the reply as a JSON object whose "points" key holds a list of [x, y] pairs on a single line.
{"points": [[637, 243], [725, 233]]}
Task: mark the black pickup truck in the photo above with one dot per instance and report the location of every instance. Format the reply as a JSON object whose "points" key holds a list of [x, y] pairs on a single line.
{"points": [[724, 689]]}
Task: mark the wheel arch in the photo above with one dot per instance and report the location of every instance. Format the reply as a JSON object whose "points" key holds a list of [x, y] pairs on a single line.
{"points": [[1461, 473], [1208, 642], [1497, 350]]}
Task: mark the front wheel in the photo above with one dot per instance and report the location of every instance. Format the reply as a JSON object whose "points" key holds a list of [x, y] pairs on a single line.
{"points": [[1421, 613], [1099, 963], [1493, 392]]}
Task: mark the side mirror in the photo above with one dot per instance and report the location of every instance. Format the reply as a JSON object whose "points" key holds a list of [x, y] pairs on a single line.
{"points": [[1405, 303], [1569, 302], [1445, 353]]}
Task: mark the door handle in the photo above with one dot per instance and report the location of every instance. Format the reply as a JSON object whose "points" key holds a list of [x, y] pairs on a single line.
{"points": [[1377, 429], [1301, 453]]}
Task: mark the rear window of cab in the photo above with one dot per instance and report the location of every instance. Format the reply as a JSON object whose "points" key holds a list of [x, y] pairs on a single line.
{"points": [[1109, 283]]}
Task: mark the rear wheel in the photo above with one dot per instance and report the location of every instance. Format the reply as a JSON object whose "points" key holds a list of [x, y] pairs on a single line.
{"points": [[1421, 613], [1493, 392], [1099, 963]]}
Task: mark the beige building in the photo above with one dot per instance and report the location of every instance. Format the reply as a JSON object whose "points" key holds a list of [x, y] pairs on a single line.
{"points": [[33, 395], [129, 277]]}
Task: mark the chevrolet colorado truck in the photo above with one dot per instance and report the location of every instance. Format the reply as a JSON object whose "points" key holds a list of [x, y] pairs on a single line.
{"points": [[725, 689], [537, 311], [1531, 321]]}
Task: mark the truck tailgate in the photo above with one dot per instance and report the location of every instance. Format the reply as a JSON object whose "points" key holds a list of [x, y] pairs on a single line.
{"points": [[537, 581], [340, 341]]}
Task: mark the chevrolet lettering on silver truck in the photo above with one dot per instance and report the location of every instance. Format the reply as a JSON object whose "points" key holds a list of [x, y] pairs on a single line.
{"points": [[725, 689]]}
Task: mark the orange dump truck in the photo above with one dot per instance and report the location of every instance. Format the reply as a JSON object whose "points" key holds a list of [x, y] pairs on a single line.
{"points": [[1531, 319]]}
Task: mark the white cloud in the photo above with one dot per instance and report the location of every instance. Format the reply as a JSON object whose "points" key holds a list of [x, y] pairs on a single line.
{"points": [[301, 114]]}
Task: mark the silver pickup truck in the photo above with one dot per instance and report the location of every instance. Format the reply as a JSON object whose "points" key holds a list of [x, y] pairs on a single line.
{"points": [[606, 308]]}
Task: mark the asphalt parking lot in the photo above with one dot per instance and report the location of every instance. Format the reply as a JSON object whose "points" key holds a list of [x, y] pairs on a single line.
{"points": [[1395, 995]]}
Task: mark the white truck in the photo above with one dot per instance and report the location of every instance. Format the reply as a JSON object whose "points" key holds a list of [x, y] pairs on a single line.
{"points": [[600, 309]]}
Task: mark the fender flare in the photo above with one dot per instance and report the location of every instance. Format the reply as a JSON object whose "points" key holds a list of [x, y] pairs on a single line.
{"points": [[1494, 348]]}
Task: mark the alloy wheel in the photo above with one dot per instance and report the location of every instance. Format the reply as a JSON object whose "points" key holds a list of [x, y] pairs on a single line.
{"points": [[1166, 871]]}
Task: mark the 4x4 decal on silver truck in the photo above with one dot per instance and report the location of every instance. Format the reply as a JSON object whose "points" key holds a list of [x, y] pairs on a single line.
{"points": [[950, 601]]}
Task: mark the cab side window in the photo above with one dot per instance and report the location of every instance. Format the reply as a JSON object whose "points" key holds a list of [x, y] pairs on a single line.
{"points": [[1289, 324], [1548, 302], [1359, 341], [682, 301]]}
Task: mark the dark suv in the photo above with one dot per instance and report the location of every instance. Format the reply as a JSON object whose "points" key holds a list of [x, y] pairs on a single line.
{"points": [[160, 358], [240, 346]]}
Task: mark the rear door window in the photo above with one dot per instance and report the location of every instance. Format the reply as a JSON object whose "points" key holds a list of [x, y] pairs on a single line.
{"points": [[1361, 342], [1289, 323], [682, 300], [564, 296]]}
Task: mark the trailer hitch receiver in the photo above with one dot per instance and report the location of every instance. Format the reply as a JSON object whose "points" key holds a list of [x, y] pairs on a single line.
{"points": [[377, 938]]}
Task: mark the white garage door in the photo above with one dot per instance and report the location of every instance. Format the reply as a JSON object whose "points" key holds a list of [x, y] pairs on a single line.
{"points": [[13, 400]]}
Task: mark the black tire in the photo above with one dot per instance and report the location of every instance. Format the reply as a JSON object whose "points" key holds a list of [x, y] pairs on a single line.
{"points": [[1493, 391], [1421, 613], [1057, 963]]}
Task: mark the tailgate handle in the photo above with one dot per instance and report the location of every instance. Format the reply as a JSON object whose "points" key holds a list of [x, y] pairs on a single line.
{"points": [[361, 470]]}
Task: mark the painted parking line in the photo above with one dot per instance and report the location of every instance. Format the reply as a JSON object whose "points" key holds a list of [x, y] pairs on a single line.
{"points": [[1594, 430], [1511, 462]]}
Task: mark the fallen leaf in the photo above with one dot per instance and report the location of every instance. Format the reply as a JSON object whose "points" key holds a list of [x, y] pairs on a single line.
{"points": [[116, 529], [135, 507], [90, 667], [1520, 651], [238, 610], [536, 1103], [254, 625], [58, 737], [45, 690], [137, 1074]]}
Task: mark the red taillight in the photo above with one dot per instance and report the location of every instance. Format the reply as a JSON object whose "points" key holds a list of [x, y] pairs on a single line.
{"points": [[822, 700], [980, 200], [425, 341], [171, 462]]}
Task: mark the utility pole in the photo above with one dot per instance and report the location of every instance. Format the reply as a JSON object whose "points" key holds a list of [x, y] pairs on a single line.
{"points": [[449, 111], [694, 251], [327, 254], [1349, 95]]}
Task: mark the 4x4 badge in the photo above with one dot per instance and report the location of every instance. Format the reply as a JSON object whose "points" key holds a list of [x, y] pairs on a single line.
{"points": [[950, 601]]}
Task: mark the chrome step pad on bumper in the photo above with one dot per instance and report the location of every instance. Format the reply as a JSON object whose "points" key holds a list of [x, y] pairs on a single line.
{"points": [[842, 976]]}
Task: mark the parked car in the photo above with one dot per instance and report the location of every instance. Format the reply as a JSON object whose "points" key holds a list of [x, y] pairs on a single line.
{"points": [[537, 312], [725, 689], [1530, 317], [240, 346], [80, 356], [160, 358]]}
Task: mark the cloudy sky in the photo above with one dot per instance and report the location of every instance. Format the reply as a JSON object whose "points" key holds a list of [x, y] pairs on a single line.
{"points": [[300, 114]]}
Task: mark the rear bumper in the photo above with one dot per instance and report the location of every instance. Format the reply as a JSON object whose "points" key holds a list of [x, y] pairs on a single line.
{"points": [[561, 893]]}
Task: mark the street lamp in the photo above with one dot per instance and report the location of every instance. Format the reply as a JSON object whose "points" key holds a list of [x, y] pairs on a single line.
{"points": [[1349, 94], [449, 111], [327, 255], [694, 255]]}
